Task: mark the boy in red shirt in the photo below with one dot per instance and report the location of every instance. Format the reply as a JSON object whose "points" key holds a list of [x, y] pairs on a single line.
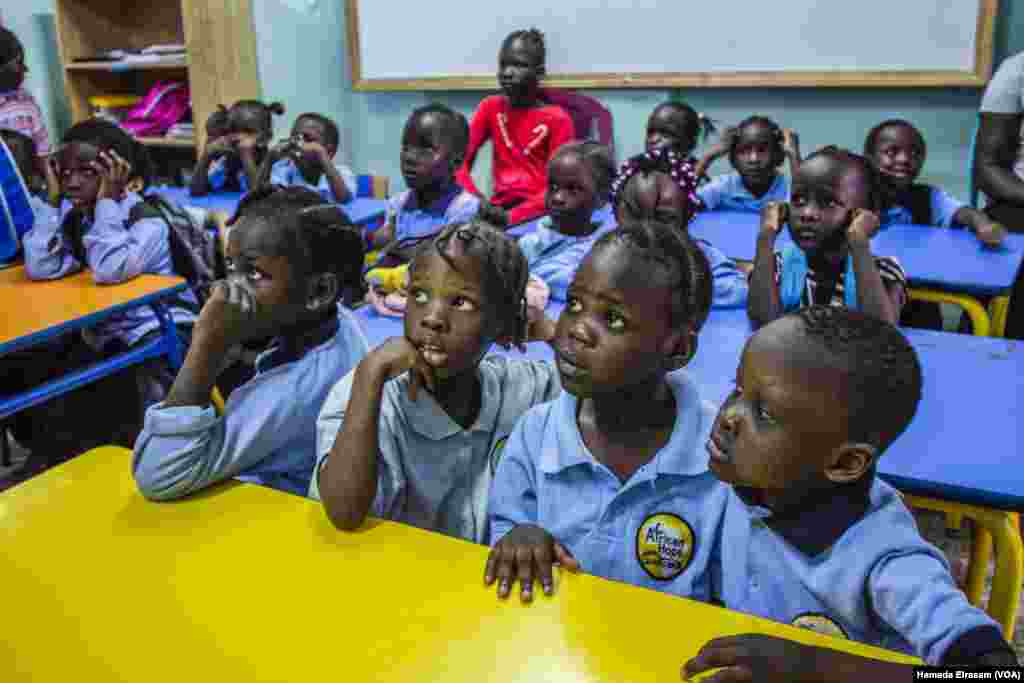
{"points": [[525, 131]]}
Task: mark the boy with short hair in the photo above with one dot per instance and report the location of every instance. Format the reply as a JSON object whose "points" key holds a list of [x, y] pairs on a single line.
{"points": [[810, 536]]}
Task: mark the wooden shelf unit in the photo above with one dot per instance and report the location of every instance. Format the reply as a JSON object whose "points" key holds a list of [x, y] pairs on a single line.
{"points": [[220, 69]]}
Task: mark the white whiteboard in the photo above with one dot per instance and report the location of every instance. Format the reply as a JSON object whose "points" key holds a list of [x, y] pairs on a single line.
{"points": [[453, 44]]}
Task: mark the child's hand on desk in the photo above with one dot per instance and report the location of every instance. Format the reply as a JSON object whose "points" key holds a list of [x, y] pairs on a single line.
{"points": [[773, 217], [525, 552], [398, 355], [114, 173], [862, 228], [753, 657], [990, 233]]}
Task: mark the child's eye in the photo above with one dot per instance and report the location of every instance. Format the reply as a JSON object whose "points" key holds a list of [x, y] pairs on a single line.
{"points": [[419, 296], [763, 414], [616, 321], [573, 305], [798, 200], [462, 303]]}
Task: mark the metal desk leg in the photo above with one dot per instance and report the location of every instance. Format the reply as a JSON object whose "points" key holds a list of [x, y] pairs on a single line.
{"points": [[998, 309], [997, 530], [173, 344], [979, 316]]}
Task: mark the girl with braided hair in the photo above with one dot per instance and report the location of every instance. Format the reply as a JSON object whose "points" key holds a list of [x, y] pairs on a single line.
{"points": [[661, 185], [414, 433]]}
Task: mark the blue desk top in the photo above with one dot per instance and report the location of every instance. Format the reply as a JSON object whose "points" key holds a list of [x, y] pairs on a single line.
{"points": [[948, 259], [360, 211], [964, 441]]}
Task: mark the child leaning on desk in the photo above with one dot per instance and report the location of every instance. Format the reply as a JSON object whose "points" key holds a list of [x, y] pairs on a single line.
{"points": [[811, 536], [290, 259], [100, 170], [612, 477], [414, 433], [306, 159], [832, 217]]}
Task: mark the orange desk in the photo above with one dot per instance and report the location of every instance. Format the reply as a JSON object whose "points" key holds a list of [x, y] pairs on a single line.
{"points": [[243, 583], [33, 312]]}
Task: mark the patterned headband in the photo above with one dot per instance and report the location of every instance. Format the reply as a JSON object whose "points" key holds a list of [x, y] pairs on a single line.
{"points": [[680, 169]]}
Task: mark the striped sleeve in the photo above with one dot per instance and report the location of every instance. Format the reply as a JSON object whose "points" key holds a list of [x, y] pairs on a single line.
{"points": [[891, 271]]}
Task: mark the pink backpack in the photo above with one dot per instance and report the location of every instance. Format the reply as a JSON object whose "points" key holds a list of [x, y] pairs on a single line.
{"points": [[164, 105]]}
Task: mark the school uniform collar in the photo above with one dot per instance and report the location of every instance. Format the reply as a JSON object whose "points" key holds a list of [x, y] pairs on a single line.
{"points": [[438, 206], [427, 418], [282, 350], [817, 523], [747, 194], [684, 455]]}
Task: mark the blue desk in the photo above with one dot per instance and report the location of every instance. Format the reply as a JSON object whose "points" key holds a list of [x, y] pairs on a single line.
{"points": [[963, 443], [361, 211], [952, 261]]}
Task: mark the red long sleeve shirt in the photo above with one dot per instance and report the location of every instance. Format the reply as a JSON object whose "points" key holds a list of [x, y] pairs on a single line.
{"points": [[524, 140]]}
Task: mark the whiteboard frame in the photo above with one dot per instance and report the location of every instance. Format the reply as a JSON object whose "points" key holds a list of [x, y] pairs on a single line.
{"points": [[978, 77]]}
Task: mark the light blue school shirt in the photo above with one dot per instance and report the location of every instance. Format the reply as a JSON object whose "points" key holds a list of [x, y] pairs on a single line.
{"points": [[218, 177], [414, 222], [655, 530], [432, 473], [554, 257], [943, 206], [729, 286], [728, 193], [115, 251], [285, 172], [267, 434], [852, 565]]}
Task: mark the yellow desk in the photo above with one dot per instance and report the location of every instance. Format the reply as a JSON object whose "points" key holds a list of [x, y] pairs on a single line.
{"points": [[30, 308], [242, 583]]}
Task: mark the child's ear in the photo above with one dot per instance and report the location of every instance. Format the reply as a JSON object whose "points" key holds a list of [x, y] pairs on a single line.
{"points": [[321, 292], [680, 346], [135, 185], [850, 461]]}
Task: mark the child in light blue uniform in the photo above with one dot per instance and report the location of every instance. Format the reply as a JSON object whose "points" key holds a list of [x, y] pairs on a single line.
{"points": [[612, 476], [232, 162], [433, 147], [579, 182], [306, 159], [97, 228], [897, 149], [413, 434], [811, 537], [661, 185], [832, 218], [290, 258], [757, 149]]}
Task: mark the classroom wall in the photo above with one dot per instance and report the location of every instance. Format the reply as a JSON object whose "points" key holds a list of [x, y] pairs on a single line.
{"points": [[303, 61]]}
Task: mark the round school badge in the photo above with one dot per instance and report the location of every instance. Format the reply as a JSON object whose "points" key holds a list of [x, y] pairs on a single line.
{"points": [[664, 545], [819, 623]]}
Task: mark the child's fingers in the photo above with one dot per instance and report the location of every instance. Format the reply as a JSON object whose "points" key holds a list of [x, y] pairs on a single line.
{"points": [[504, 570], [711, 656], [565, 558], [543, 558], [524, 564], [490, 568]]}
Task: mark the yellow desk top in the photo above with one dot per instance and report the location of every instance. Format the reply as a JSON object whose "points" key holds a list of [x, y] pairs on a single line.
{"points": [[243, 583], [29, 306]]}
